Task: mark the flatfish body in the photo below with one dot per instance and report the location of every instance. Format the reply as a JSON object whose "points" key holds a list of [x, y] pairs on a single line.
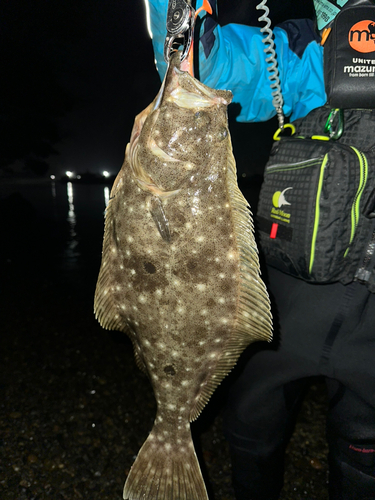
{"points": [[180, 272]]}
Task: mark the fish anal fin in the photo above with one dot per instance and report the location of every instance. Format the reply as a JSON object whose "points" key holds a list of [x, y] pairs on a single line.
{"points": [[252, 321]]}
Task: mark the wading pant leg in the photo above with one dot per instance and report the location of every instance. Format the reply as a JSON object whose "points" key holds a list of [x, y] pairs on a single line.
{"points": [[262, 402], [351, 414], [257, 423]]}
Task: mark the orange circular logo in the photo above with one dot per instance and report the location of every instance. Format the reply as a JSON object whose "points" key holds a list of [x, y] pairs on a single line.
{"points": [[362, 36]]}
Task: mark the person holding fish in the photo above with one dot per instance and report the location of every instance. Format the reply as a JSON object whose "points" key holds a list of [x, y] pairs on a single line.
{"points": [[324, 312]]}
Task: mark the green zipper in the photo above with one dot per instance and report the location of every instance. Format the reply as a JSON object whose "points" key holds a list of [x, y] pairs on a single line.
{"points": [[317, 212], [363, 170], [281, 167]]}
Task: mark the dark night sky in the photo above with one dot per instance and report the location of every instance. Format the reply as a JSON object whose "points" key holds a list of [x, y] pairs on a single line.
{"points": [[99, 51], [116, 76]]}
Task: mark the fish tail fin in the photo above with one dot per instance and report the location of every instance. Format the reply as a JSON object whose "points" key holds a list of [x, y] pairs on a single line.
{"points": [[165, 471]]}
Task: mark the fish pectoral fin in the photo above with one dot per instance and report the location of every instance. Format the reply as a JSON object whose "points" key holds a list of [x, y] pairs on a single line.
{"points": [[160, 219]]}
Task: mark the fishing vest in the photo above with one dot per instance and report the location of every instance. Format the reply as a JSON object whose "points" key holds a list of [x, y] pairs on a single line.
{"points": [[316, 211]]}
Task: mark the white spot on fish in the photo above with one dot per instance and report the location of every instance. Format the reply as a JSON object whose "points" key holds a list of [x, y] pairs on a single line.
{"points": [[221, 300], [184, 383], [171, 406], [204, 312], [224, 320], [222, 275], [199, 239], [201, 287], [142, 299], [159, 292]]}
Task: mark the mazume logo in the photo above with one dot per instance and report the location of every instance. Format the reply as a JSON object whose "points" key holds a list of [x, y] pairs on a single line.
{"points": [[361, 36]]}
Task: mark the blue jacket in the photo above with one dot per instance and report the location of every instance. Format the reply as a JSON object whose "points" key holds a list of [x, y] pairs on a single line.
{"points": [[232, 57]]}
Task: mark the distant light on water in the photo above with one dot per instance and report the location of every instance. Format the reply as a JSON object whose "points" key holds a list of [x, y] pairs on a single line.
{"points": [[71, 253], [106, 195], [52, 177], [69, 174], [69, 189], [106, 173]]}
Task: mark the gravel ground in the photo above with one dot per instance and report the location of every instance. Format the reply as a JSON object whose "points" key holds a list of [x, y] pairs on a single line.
{"points": [[74, 409]]}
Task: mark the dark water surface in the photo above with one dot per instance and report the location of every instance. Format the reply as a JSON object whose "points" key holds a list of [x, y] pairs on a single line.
{"points": [[74, 409]]}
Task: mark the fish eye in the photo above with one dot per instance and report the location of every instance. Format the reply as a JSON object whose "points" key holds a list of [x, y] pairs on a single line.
{"points": [[222, 134], [201, 119]]}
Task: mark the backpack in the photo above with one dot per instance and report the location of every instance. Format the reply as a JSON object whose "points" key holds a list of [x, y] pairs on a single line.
{"points": [[316, 211]]}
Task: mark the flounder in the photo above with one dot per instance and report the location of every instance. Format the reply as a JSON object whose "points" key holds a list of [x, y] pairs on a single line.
{"points": [[180, 272]]}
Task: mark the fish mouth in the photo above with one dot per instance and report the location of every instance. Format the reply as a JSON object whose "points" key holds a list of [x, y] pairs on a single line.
{"points": [[185, 91]]}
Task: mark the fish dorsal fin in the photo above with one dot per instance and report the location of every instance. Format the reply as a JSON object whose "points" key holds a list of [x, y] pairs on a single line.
{"points": [[253, 319], [106, 307]]}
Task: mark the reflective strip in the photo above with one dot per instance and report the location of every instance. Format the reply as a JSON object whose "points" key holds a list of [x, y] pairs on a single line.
{"points": [[363, 172], [317, 212]]}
